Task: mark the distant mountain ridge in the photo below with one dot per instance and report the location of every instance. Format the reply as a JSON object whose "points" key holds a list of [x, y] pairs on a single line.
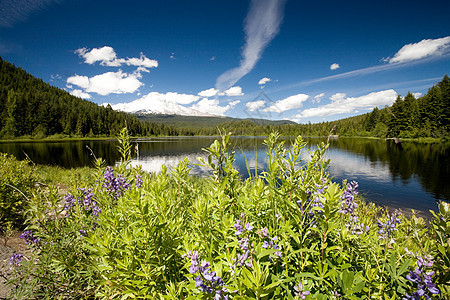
{"points": [[180, 121]]}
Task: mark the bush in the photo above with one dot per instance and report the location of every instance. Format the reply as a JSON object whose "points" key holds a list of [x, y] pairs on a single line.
{"points": [[17, 181], [289, 233]]}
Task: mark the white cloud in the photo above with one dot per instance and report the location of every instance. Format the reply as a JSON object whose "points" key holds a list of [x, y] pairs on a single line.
{"points": [[80, 94], [212, 58], [108, 57], [295, 101], [108, 83], [262, 24], [81, 81], [234, 91], [208, 93], [338, 97], [422, 49], [142, 61], [317, 98], [417, 95], [105, 55], [264, 80], [334, 66], [210, 106], [234, 103], [177, 98], [255, 105], [341, 104]]}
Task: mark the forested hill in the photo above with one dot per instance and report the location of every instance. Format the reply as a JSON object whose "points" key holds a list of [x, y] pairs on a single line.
{"points": [[408, 117], [29, 107]]}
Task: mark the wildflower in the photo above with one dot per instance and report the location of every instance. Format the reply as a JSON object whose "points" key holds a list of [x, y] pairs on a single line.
{"points": [[115, 185], [264, 232], [138, 181], [206, 281], [238, 227], [299, 293], [29, 237], [423, 280], [87, 201], [348, 204], [270, 244], [385, 229], [15, 259]]}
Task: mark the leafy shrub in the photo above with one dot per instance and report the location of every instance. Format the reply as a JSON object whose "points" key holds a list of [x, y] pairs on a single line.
{"points": [[17, 181], [289, 233]]}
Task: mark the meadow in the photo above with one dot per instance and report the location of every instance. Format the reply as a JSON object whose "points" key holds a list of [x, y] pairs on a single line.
{"points": [[287, 233]]}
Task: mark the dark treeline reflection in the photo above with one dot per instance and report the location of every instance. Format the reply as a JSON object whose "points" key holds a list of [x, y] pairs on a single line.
{"points": [[428, 163], [65, 154]]}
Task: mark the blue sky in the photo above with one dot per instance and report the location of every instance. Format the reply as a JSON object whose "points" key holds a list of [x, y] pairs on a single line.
{"points": [[299, 60]]}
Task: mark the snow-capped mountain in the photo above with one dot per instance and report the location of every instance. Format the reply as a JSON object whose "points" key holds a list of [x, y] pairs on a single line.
{"points": [[156, 103]]}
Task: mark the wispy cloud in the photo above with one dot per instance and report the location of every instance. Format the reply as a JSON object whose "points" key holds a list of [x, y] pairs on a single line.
{"points": [[262, 24], [14, 11]]}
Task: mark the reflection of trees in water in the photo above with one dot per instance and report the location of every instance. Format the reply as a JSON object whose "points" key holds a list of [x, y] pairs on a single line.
{"points": [[429, 163], [65, 154]]}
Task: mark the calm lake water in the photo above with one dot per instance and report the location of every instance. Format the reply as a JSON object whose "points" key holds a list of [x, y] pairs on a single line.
{"points": [[409, 175]]}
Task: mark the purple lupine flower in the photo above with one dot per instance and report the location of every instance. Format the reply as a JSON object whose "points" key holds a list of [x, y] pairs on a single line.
{"points": [[82, 232], [313, 199], [265, 232], [242, 259], [29, 237], [355, 227], [138, 181], [87, 200], [270, 244], [238, 227], [348, 204], [115, 185], [15, 259], [299, 293], [206, 281], [70, 201], [423, 280], [385, 229]]}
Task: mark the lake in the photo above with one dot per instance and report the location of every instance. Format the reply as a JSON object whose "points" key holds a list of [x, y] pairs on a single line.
{"points": [[408, 175]]}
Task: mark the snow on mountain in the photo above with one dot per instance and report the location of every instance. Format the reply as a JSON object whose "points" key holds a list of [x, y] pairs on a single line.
{"points": [[157, 103]]}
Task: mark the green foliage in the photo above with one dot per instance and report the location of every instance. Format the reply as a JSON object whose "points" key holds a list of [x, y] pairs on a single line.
{"points": [[287, 233], [17, 182]]}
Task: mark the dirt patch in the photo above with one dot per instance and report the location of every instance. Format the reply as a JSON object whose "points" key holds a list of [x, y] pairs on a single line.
{"points": [[13, 245]]}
